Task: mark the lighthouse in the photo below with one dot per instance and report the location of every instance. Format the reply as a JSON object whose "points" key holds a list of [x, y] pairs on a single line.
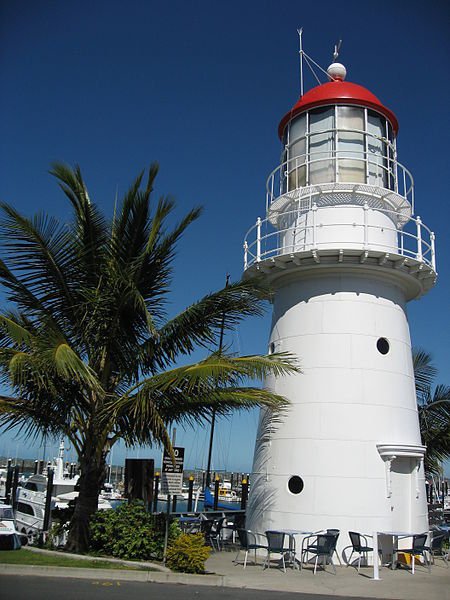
{"points": [[343, 251]]}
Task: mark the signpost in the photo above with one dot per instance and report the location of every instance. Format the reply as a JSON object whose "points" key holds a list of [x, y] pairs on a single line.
{"points": [[172, 474], [171, 482]]}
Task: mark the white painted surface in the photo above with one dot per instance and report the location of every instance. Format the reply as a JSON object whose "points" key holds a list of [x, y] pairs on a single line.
{"points": [[349, 399]]}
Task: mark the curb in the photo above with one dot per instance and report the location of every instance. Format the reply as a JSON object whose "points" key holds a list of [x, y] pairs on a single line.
{"points": [[117, 575]]}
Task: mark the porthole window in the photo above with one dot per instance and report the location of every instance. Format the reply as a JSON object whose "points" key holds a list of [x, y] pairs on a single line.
{"points": [[271, 347], [295, 484], [382, 345]]}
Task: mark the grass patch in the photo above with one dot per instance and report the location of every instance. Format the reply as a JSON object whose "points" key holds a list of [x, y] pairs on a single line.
{"points": [[25, 557]]}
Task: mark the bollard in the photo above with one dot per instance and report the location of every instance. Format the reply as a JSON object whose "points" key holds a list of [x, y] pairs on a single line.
{"points": [[244, 495], [190, 493], [48, 501], [155, 495], [216, 492]]}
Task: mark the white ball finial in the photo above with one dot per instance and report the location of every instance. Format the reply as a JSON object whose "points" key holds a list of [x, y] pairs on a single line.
{"points": [[337, 72]]}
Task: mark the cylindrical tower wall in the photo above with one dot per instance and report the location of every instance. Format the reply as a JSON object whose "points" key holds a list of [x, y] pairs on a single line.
{"points": [[349, 400]]}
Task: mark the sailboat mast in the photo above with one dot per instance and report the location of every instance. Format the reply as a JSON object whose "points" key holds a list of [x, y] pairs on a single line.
{"points": [[213, 415]]}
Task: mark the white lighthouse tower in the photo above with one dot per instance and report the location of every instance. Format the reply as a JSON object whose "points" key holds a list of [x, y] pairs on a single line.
{"points": [[344, 254]]}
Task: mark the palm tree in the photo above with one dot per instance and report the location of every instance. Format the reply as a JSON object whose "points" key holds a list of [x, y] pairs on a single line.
{"points": [[86, 346], [434, 412]]}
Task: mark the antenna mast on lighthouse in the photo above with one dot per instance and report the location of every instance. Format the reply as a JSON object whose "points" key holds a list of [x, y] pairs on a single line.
{"points": [[300, 51]]}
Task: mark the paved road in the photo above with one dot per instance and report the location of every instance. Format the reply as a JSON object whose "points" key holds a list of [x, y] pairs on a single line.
{"points": [[13, 587]]}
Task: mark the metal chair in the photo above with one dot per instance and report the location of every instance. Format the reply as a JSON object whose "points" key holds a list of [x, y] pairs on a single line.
{"points": [[359, 545], [211, 528], [323, 545], [336, 533], [276, 545], [418, 548], [437, 549], [249, 541]]}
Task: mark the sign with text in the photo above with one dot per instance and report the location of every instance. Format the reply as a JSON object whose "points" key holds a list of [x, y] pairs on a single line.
{"points": [[172, 474]]}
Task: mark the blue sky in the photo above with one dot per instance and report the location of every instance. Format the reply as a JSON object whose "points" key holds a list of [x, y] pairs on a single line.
{"points": [[201, 87]]}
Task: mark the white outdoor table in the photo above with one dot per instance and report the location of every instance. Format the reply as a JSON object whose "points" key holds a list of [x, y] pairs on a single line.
{"points": [[292, 533], [395, 535]]}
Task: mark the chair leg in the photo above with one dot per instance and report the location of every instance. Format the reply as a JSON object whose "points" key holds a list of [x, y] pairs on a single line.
{"points": [[412, 562], [427, 561], [315, 564], [350, 559], [359, 562], [284, 564], [245, 558], [333, 565]]}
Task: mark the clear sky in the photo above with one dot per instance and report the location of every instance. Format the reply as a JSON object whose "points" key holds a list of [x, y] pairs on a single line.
{"points": [[200, 87]]}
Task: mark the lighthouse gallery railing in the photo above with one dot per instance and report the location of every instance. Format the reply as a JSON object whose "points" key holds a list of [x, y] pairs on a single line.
{"points": [[332, 164], [263, 241]]}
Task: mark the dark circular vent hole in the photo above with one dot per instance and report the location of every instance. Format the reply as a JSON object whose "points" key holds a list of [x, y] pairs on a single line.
{"points": [[382, 345], [295, 484]]}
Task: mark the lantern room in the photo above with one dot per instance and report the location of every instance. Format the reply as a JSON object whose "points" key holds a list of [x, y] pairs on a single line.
{"points": [[338, 132]]}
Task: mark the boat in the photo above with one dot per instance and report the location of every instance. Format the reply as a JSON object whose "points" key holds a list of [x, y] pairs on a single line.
{"points": [[226, 494], [10, 538], [32, 494], [223, 505]]}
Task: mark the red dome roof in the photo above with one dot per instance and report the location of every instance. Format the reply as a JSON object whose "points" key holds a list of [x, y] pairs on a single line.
{"points": [[337, 92]]}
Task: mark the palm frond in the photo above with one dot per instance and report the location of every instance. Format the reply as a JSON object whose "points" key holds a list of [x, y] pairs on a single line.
{"points": [[38, 248], [200, 323], [90, 230], [424, 370], [16, 333]]}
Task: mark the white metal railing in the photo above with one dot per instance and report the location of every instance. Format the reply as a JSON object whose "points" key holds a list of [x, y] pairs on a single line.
{"points": [[373, 168], [263, 241]]}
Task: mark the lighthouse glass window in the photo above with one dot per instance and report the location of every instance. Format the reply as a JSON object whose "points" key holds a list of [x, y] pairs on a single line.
{"points": [[350, 144], [296, 167], [376, 150], [321, 146]]}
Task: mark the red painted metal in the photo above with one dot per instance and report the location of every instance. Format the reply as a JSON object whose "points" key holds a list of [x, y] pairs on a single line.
{"points": [[337, 92]]}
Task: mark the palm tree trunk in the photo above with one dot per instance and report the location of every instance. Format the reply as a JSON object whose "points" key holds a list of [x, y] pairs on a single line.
{"points": [[92, 477]]}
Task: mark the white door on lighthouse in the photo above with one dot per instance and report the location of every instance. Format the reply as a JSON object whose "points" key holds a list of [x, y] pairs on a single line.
{"points": [[402, 482]]}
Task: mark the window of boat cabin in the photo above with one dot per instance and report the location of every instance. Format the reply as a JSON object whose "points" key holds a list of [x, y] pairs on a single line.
{"points": [[6, 513], [26, 509], [35, 487]]}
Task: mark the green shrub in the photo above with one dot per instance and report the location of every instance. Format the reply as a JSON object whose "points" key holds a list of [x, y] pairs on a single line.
{"points": [[188, 553], [130, 532]]}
